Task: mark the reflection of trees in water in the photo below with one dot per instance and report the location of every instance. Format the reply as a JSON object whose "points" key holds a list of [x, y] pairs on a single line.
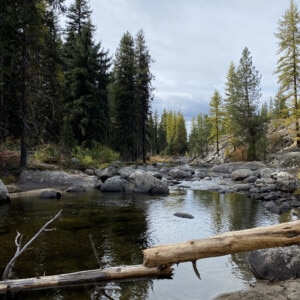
{"points": [[116, 226], [231, 212]]}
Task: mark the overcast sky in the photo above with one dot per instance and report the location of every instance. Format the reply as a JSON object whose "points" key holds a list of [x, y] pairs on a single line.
{"points": [[193, 43]]}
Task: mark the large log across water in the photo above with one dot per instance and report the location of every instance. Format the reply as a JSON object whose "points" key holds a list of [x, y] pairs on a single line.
{"points": [[283, 234], [88, 276]]}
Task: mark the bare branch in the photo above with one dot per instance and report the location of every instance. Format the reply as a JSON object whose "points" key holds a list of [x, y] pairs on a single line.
{"points": [[94, 250], [20, 250]]}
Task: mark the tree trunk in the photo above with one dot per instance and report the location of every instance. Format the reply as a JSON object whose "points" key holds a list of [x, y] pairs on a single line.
{"points": [[23, 157], [284, 234], [89, 276]]}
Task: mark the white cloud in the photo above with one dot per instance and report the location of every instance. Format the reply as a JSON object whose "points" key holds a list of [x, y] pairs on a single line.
{"points": [[193, 43]]}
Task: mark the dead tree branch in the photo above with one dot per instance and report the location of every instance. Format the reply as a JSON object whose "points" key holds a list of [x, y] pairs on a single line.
{"points": [[20, 250]]}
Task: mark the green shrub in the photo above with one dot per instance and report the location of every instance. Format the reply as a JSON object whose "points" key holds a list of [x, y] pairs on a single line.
{"points": [[47, 153], [97, 155]]}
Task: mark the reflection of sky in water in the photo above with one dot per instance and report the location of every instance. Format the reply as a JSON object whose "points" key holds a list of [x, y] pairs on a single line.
{"points": [[213, 213], [120, 226]]}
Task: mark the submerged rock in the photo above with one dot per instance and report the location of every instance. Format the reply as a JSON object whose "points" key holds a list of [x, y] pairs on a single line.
{"points": [[183, 215], [50, 194]]}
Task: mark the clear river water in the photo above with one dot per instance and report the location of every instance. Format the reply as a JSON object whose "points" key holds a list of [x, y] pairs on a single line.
{"points": [[111, 229]]}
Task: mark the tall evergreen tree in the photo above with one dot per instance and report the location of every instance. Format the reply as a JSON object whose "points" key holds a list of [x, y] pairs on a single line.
{"points": [[126, 112], [231, 87], [245, 110], [131, 96], [86, 72], [143, 88], [288, 65], [215, 115]]}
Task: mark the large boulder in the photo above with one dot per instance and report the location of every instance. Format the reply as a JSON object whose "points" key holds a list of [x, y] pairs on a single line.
{"points": [[181, 173], [126, 172], [276, 263], [113, 184], [44, 179], [144, 182], [105, 173], [4, 195], [288, 186]]}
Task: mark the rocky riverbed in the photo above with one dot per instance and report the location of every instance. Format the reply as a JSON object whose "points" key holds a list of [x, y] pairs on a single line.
{"points": [[275, 186]]}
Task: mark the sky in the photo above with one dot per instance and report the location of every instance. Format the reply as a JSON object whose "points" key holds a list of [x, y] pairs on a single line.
{"points": [[193, 43]]}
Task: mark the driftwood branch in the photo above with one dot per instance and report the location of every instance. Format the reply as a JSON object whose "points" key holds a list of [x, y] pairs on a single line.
{"points": [[20, 250], [90, 276], [280, 235]]}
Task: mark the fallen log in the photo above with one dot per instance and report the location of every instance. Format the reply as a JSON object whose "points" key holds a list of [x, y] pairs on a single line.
{"points": [[89, 276], [280, 235]]}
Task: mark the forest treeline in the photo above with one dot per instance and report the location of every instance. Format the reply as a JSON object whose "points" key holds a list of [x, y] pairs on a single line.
{"points": [[59, 86]]}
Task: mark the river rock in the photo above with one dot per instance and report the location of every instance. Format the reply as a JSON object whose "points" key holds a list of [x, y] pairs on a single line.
{"points": [[183, 215], [286, 185], [228, 168], [113, 184], [44, 179], [76, 189], [272, 207], [4, 195], [50, 194], [105, 173], [241, 174], [275, 264], [266, 172], [250, 179], [290, 159], [143, 182], [181, 173], [126, 172]]}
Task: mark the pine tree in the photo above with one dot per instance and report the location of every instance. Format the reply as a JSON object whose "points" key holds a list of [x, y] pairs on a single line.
{"points": [[199, 136], [231, 89], [130, 97], [143, 88], [180, 138], [86, 72], [162, 133], [125, 111], [245, 110], [288, 65], [215, 116]]}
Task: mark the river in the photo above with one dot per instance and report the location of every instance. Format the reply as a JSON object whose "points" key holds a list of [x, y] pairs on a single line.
{"points": [[110, 229]]}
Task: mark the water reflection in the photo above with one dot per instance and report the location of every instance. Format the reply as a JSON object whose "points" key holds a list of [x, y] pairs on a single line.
{"points": [[104, 230]]}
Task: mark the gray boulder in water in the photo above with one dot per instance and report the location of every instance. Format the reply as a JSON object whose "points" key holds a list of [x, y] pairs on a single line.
{"points": [[4, 195], [50, 194], [183, 215], [276, 264]]}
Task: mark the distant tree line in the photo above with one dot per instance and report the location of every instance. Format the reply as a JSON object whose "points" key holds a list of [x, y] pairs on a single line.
{"points": [[57, 85]]}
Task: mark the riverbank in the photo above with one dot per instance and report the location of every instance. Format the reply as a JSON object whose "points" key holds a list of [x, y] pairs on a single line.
{"points": [[266, 290]]}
